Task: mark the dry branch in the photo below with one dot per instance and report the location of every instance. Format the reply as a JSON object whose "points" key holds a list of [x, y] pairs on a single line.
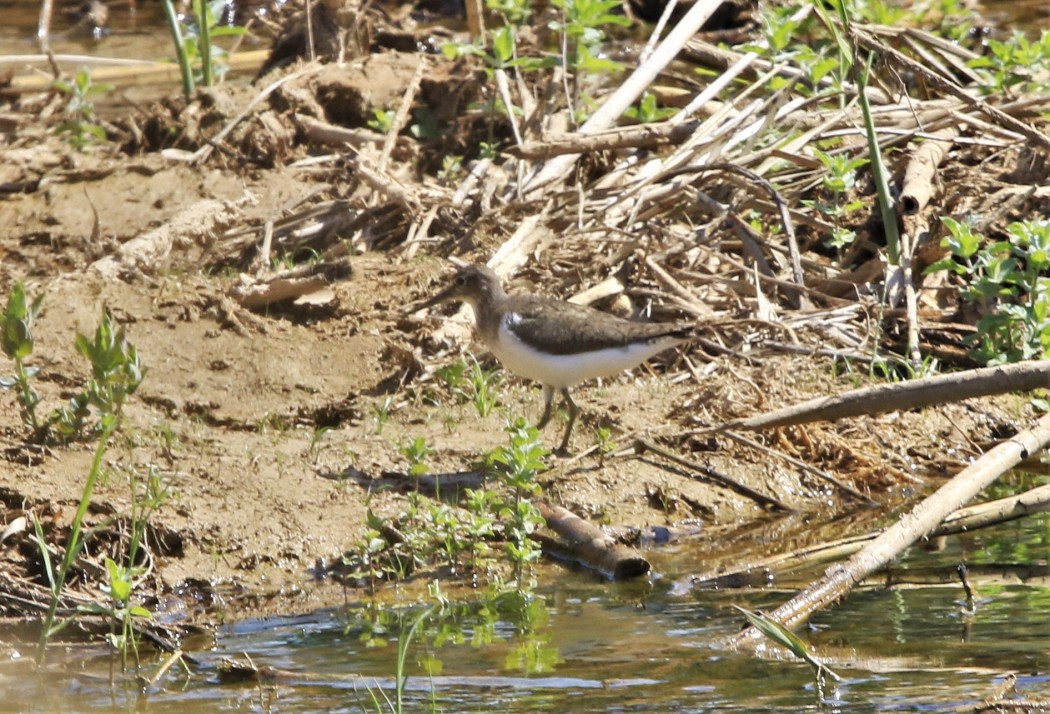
{"points": [[401, 117], [1023, 376], [589, 545], [920, 522], [386, 185], [643, 136], [322, 132]]}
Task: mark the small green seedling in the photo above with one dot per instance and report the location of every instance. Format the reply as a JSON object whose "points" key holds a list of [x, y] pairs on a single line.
{"points": [[483, 383], [381, 413], [417, 452], [17, 342], [382, 120], [81, 125]]}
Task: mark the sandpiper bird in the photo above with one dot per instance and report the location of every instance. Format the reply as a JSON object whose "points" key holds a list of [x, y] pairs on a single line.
{"points": [[556, 343]]}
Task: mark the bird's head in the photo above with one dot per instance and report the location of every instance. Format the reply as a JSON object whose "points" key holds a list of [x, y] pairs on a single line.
{"points": [[474, 284]]}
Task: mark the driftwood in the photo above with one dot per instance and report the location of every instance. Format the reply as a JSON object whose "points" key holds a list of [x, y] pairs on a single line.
{"points": [[964, 520], [1023, 376], [588, 545], [920, 522], [291, 284], [204, 218]]}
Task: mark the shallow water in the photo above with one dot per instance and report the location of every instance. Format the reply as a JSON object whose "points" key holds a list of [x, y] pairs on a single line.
{"points": [[647, 647]]}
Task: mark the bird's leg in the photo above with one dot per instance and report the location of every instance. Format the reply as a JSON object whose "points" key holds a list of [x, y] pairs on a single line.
{"points": [[573, 413], [548, 400]]}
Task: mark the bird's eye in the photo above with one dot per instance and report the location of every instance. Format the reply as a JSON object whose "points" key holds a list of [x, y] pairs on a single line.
{"points": [[461, 281]]}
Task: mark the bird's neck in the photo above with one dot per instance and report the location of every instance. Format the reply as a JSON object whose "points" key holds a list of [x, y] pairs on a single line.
{"points": [[487, 307]]}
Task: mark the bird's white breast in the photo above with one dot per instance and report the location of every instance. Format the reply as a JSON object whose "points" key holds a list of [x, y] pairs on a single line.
{"points": [[564, 371]]}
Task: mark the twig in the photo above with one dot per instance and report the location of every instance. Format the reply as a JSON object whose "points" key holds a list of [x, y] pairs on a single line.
{"points": [[386, 185], [643, 136], [172, 659], [707, 473], [630, 90], [402, 113], [948, 87]]}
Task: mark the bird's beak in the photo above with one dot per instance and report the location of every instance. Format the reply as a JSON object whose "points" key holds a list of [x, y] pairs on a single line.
{"points": [[431, 302]]}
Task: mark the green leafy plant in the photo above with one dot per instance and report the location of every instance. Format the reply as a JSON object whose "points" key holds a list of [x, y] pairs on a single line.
{"points": [[17, 342], [382, 120], [121, 611], [117, 371], [116, 368], [838, 179], [604, 442], [516, 467], [453, 377], [1008, 282], [1017, 64], [451, 168], [417, 453], [377, 556], [582, 24], [81, 126]]}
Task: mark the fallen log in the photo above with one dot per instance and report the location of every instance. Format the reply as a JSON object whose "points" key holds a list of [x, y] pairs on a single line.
{"points": [[584, 543]]}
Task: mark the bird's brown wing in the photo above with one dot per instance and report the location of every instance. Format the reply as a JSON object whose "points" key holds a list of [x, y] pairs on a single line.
{"points": [[564, 328]]}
